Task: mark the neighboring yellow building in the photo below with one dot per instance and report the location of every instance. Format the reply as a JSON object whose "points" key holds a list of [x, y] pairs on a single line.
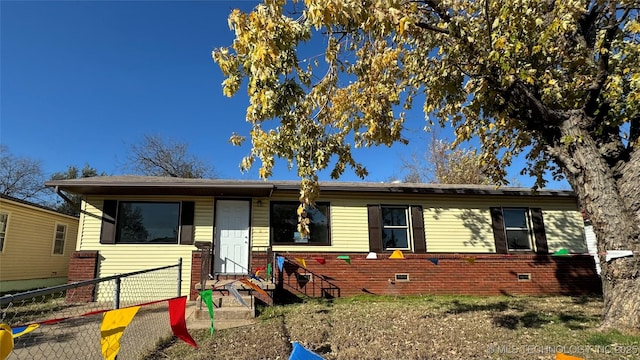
{"points": [[36, 244]]}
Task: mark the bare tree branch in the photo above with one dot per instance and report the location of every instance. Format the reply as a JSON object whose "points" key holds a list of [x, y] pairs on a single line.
{"points": [[156, 156], [20, 177], [432, 28]]}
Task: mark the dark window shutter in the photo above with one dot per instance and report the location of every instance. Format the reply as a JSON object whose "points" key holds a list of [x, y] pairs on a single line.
{"points": [[417, 222], [538, 231], [499, 236], [108, 228], [375, 230], [186, 223]]}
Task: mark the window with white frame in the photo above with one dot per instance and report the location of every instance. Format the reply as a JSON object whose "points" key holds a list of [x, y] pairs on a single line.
{"points": [[517, 226], [61, 236], [395, 227], [4, 218]]}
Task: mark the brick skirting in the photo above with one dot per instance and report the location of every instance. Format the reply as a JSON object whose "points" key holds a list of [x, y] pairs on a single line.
{"points": [[469, 274], [83, 265]]}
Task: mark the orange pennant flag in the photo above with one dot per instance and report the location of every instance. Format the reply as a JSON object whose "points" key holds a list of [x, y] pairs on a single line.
{"points": [[254, 287], [471, 260], [301, 262], [561, 356], [113, 324]]}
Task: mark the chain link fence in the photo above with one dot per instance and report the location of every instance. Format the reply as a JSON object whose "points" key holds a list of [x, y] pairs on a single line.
{"points": [[69, 316]]}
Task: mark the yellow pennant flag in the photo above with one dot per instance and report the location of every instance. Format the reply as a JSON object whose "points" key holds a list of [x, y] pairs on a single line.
{"points": [[397, 254], [561, 356], [6, 341], [471, 260], [113, 324], [301, 262]]}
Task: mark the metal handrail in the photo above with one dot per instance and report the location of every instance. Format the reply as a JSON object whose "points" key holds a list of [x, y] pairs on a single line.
{"points": [[323, 280]]}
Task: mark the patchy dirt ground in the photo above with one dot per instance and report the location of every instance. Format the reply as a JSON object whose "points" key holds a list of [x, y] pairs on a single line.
{"points": [[419, 328]]}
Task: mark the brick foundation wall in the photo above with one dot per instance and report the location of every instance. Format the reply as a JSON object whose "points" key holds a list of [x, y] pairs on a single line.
{"points": [[490, 274], [83, 265], [259, 260]]}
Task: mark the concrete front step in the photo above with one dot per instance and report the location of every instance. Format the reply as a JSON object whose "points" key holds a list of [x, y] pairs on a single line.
{"points": [[230, 313], [227, 301], [199, 318], [220, 284]]}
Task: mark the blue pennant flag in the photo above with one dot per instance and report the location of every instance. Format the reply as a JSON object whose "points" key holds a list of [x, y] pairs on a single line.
{"points": [[301, 353], [280, 260], [21, 330], [434, 261]]}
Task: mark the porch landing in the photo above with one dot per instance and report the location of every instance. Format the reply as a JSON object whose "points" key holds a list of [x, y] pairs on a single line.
{"points": [[229, 312]]}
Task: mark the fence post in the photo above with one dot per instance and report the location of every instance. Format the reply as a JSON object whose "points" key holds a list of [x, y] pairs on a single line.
{"points": [[116, 304], [179, 277]]}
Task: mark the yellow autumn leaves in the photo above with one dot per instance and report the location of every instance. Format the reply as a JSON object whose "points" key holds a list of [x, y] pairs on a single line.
{"points": [[463, 56]]}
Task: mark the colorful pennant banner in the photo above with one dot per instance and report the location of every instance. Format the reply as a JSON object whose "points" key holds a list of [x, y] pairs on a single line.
{"points": [[177, 320], [346, 258], [113, 324], [207, 298], [397, 254], [280, 261], [561, 252], [21, 330], [471, 260], [615, 254], [299, 352], [372, 256], [254, 287], [434, 261], [301, 262], [6, 341], [258, 269], [233, 291], [320, 260]]}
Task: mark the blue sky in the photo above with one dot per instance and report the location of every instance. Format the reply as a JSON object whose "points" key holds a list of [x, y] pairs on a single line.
{"points": [[82, 80]]}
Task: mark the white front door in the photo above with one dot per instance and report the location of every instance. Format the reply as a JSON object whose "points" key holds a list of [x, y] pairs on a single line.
{"points": [[232, 237]]}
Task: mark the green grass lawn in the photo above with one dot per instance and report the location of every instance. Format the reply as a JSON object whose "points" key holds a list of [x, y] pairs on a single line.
{"points": [[418, 327]]}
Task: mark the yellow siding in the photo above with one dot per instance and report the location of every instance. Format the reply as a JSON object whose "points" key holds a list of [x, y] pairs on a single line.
{"points": [[203, 220], [460, 224], [564, 229], [28, 247], [123, 258], [260, 224]]}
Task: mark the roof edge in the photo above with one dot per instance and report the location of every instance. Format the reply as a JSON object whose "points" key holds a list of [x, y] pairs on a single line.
{"points": [[111, 185]]}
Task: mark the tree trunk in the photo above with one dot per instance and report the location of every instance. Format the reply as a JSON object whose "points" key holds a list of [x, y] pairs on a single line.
{"points": [[611, 206]]}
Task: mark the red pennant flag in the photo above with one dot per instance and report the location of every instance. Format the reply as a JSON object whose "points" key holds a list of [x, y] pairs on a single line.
{"points": [[321, 260], [178, 323]]}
